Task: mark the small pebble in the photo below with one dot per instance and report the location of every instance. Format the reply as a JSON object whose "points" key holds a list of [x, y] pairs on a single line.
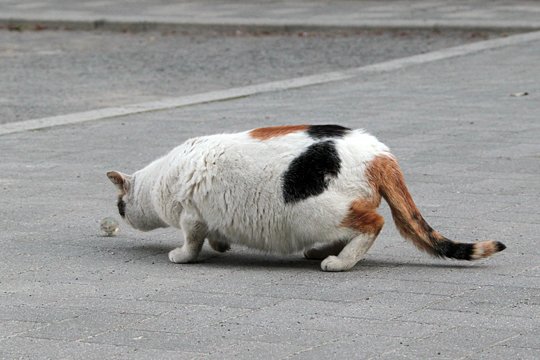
{"points": [[109, 226]]}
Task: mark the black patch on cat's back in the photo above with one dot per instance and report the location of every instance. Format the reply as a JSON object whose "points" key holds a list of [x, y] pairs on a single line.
{"points": [[309, 173], [327, 131]]}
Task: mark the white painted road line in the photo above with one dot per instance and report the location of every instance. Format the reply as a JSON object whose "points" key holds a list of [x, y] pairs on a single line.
{"points": [[228, 94]]}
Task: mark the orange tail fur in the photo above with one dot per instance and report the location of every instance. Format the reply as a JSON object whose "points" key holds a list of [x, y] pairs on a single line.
{"points": [[388, 181]]}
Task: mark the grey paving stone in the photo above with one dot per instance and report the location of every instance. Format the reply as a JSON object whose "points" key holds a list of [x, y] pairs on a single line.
{"points": [[478, 304], [291, 335], [507, 352], [386, 282], [295, 319], [458, 318], [41, 314], [151, 354], [159, 340], [85, 326], [254, 350], [396, 354], [181, 296], [380, 306], [471, 274], [186, 318], [388, 305], [55, 349], [10, 328], [176, 301], [30, 348], [529, 339], [454, 343], [361, 347]]}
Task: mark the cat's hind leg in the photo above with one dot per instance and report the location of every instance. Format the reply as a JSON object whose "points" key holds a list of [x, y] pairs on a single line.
{"points": [[365, 220], [352, 253], [322, 251], [195, 232]]}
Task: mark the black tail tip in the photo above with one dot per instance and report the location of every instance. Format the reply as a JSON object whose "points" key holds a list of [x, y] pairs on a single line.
{"points": [[500, 246]]}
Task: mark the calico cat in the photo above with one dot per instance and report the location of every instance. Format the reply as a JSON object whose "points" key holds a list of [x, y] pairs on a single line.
{"points": [[282, 189]]}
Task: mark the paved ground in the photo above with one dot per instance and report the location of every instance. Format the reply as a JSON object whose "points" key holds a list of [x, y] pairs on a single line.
{"points": [[50, 73], [469, 149], [141, 14], [470, 152]]}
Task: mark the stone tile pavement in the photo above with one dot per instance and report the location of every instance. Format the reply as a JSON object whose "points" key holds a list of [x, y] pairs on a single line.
{"points": [[470, 153]]}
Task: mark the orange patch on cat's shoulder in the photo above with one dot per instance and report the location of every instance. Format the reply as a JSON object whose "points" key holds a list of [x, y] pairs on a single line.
{"points": [[275, 131]]}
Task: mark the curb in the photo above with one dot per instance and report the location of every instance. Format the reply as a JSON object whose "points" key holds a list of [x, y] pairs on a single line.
{"points": [[235, 26]]}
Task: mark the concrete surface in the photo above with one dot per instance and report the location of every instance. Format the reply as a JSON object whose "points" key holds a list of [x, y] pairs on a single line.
{"points": [[168, 103], [50, 73], [272, 15], [470, 152]]}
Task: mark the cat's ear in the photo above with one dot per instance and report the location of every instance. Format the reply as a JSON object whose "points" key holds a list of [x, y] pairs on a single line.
{"points": [[120, 180]]}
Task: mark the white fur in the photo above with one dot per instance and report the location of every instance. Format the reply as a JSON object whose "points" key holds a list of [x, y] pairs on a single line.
{"points": [[229, 186]]}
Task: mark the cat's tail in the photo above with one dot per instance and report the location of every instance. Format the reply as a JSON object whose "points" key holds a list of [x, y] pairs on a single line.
{"points": [[386, 177]]}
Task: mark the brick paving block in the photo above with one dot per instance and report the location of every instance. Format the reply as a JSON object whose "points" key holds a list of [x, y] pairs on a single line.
{"points": [[529, 339], [458, 318], [180, 296], [507, 352], [9, 328], [360, 347], [237, 329], [254, 350], [187, 318], [31, 348], [44, 314], [85, 326], [511, 301], [455, 343], [159, 340]]}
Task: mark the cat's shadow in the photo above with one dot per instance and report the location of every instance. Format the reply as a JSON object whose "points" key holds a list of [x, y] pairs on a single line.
{"points": [[245, 259]]}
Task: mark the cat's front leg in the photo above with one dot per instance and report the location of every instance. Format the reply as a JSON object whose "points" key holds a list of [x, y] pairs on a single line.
{"points": [[194, 234]]}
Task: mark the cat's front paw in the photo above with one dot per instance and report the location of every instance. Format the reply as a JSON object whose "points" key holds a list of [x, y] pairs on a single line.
{"points": [[180, 256], [333, 263]]}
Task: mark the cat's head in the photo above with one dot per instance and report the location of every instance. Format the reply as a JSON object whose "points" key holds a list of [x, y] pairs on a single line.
{"points": [[135, 211]]}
